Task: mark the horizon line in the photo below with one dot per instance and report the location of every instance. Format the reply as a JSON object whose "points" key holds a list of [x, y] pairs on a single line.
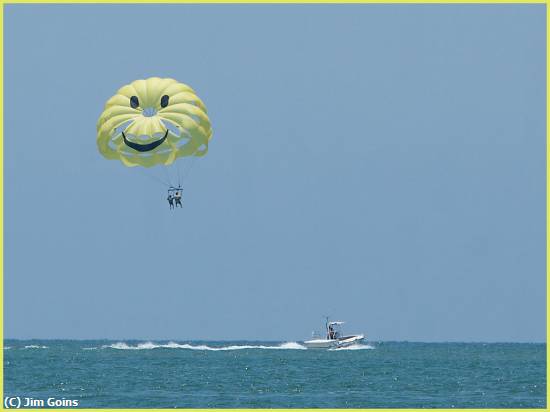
{"points": [[262, 340]]}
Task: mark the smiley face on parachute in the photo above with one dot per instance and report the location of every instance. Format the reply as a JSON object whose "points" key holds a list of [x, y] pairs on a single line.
{"points": [[153, 121]]}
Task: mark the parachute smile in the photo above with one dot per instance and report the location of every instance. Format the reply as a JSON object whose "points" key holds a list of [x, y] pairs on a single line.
{"points": [[144, 147]]}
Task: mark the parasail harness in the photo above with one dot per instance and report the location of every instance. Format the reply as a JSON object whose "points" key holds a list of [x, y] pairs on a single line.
{"points": [[175, 193]]}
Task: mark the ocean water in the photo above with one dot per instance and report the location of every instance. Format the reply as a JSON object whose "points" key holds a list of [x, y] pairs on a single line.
{"points": [[101, 374]]}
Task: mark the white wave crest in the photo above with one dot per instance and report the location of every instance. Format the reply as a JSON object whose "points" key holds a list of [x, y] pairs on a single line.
{"points": [[292, 345], [7, 347], [125, 346], [357, 346], [35, 347], [175, 345]]}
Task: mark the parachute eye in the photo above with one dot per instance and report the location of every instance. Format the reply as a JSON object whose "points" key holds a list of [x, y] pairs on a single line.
{"points": [[134, 102], [164, 101]]}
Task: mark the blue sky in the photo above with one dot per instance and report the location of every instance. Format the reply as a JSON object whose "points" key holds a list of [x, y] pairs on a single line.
{"points": [[383, 164]]}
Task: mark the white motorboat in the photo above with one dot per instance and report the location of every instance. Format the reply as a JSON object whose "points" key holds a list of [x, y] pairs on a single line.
{"points": [[334, 338]]}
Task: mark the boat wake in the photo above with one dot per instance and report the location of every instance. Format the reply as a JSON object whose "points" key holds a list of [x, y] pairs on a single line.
{"points": [[174, 345], [357, 346]]}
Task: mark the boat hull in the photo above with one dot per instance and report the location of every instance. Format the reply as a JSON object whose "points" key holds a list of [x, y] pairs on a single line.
{"points": [[333, 343], [320, 343]]}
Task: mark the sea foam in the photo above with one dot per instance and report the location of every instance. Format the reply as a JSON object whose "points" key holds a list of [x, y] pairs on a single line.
{"points": [[175, 345], [357, 346]]}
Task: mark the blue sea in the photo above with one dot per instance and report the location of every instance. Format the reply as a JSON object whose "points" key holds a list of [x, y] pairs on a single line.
{"points": [[162, 374]]}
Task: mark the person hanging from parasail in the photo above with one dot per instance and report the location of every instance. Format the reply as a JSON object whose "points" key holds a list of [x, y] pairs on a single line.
{"points": [[177, 197], [154, 122]]}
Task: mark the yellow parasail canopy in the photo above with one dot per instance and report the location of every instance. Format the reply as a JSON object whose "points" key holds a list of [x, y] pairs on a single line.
{"points": [[153, 122]]}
